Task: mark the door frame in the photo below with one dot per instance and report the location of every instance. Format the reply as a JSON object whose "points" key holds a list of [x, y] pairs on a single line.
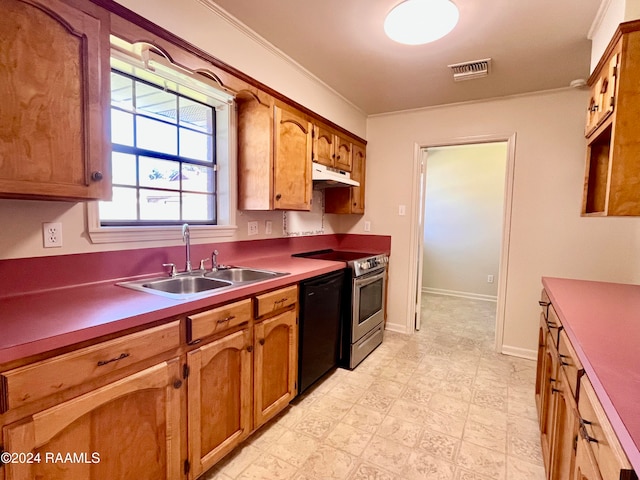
{"points": [[417, 234]]}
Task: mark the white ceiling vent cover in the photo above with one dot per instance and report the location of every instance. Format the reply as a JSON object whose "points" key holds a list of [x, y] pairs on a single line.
{"points": [[470, 70]]}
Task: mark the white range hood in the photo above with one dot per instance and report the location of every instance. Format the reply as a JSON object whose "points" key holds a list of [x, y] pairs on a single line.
{"points": [[326, 177]]}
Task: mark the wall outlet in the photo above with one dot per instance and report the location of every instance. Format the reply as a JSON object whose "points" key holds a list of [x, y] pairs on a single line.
{"points": [[489, 278], [52, 234], [252, 228], [367, 226], [268, 227]]}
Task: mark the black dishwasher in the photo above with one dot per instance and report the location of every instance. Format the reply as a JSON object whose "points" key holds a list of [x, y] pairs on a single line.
{"points": [[320, 315]]}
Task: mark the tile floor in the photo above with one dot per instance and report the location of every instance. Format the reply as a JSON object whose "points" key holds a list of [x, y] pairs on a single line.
{"points": [[438, 405]]}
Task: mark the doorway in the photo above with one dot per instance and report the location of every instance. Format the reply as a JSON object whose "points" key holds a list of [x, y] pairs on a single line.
{"points": [[461, 230]]}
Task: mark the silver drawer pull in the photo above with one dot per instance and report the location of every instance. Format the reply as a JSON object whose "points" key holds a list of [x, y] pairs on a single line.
{"points": [[226, 319], [104, 362]]}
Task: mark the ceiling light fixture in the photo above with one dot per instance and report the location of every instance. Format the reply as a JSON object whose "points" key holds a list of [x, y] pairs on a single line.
{"points": [[414, 22]]}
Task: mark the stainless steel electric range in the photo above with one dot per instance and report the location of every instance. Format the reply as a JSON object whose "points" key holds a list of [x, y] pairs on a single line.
{"points": [[363, 302]]}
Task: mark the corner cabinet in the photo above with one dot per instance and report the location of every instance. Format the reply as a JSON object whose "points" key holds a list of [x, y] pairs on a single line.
{"points": [[274, 155], [349, 200], [612, 178], [54, 79]]}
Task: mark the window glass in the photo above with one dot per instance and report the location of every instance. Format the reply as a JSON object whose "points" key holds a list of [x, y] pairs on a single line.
{"points": [[163, 158]]}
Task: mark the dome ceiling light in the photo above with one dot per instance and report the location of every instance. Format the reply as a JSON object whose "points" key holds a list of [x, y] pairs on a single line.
{"points": [[414, 22]]}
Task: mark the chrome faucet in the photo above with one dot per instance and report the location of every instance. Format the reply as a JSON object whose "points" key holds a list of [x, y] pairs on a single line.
{"points": [[214, 261], [186, 237]]}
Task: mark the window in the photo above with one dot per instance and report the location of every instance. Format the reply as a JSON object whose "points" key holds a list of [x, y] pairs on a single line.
{"points": [[173, 154], [163, 156]]}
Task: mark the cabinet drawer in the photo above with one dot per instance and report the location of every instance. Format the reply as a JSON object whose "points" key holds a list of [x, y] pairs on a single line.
{"points": [[569, 362], [25, 384], [218, 319], [554, 324], [597, 431], [275, 301], [544, 302]]}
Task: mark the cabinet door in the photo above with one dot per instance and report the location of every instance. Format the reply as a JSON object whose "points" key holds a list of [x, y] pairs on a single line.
{"points": [[358, 174], [585, 465], [292, 161], [565, 431], [255, 154], [127, 429], [276, 356], [54, 79], [547, 415], [219, 394], [541, 365], [323, 146], [344, 153]]}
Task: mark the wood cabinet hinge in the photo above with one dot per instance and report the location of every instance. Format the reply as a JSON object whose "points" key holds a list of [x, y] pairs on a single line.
{"points": [[185, 371], [1, 456], [187, 467]]}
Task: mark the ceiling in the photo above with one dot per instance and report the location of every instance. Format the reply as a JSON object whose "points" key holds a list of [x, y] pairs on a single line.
{"points": [[534, 45]]}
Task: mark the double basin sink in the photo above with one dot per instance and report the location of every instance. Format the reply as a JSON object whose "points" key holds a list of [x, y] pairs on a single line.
{"points": [[200, 284]]}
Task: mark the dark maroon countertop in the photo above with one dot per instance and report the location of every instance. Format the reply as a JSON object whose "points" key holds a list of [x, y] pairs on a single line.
{"points": [[44, 305], [602, 321]]}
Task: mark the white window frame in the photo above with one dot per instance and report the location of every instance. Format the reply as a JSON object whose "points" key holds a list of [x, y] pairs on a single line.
{"points": [[141, 56]]}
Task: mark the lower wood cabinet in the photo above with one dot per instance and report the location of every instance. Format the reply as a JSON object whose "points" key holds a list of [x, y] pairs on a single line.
{"points": [[276, 353], [219, 398], [578, 442], [146, 406], [126, 429]]}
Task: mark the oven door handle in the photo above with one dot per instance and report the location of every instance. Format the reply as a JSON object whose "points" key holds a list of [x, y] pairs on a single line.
{"points": [[366, 280]]}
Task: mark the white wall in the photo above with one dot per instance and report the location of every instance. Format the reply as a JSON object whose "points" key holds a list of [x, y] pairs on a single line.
{"points": [[611, 14], [548, 236], [202, 26], [463, 213]]}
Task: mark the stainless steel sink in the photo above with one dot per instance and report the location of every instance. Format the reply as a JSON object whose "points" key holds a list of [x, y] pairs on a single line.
{"points": [[242, 275], [199, 284], [189, 284]]}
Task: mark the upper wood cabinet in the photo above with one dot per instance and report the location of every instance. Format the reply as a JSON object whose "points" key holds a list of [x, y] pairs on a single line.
{"points": [[54, 83], [274, 156], [292, 168], [331, 149], [612, 179], [349, 200]]}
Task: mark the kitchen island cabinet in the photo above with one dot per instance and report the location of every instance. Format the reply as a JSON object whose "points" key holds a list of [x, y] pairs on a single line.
{"points": [[54, 126], [588, 418]]}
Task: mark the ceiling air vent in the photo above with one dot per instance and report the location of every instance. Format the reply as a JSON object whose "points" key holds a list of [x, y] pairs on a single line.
{"points": [[470, 70]]}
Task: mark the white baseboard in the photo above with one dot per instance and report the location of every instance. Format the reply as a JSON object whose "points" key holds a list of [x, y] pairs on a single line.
{"points": [[454, 293], [520, 352], [395, 327]]}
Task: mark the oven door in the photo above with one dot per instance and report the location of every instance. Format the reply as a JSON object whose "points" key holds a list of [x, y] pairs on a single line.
{"points": [[368, 303]]}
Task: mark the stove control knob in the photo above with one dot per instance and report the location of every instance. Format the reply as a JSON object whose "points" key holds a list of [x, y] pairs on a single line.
{"points": [[364, 265]]}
